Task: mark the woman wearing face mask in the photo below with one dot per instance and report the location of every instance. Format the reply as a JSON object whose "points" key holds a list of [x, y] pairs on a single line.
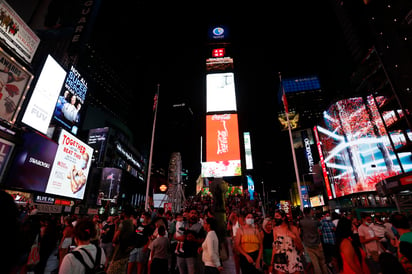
{"points": [[287, 246], [249, 243]]}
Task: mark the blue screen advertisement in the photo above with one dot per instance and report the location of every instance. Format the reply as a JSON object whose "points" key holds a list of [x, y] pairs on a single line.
{"points": [[70, 103]]}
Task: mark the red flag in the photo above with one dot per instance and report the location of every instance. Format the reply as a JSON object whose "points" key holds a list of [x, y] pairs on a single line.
{"points": [[155, 101], [285, 102]]}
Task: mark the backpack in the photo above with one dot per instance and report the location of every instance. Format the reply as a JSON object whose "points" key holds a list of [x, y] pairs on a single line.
{"points": [[97, 267]]}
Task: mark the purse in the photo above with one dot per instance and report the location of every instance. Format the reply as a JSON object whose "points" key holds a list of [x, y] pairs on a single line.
{"points": [[34, 255], [280, 258]]}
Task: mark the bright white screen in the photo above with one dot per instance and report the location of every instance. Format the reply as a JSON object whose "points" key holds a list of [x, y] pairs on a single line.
{"points": [[220, 92], [40, 108]]}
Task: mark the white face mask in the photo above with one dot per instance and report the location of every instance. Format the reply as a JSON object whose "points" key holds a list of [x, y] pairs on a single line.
{"points": [[250, 221], [328, 218], [82, 164]]}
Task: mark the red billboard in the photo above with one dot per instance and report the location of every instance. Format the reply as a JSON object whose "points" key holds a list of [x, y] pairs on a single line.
{"points": [[222, 138]]}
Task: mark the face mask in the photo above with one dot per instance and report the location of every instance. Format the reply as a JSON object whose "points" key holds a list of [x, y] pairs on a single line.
{"points": [[366, 223], [328, 218], [250, 221], [141, 220], [82, 164], [278, 221]]}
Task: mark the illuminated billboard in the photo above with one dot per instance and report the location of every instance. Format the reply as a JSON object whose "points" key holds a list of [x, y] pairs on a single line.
{"points": [[14, 82], [68, 176], [293, 120], [220, 92], [357, 152], [222, 145], [70, 102], [39, 110], [17, 34], [32, 162], [220, 64], [248, 150]]}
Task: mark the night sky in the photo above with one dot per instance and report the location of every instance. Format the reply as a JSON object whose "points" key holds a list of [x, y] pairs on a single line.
{"points": [[164, 42]]}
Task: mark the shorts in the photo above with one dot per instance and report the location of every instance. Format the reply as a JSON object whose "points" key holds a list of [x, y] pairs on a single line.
{"points": [[139, 256]]}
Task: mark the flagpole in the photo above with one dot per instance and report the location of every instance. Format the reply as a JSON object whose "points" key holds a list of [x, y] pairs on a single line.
{"points": [[295, 163], [149, 168]]}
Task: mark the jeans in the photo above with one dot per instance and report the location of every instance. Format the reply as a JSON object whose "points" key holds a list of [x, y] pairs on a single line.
{"points": [[186, 265], [318, 259]]}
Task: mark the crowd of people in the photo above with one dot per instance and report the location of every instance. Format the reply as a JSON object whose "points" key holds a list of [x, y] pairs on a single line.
{"points": [[192, 241]]}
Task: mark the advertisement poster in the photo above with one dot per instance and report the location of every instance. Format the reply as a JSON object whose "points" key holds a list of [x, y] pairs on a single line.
{"points": [[222, 138], [220, 92], [40, 108], [71, 166], [70, 102], [14, 82], [31, 165], [16, 33]]}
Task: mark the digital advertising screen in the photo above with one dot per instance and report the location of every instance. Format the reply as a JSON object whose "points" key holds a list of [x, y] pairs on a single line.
{"points": [[68, 176], [110, 184], [14, 83], [70, 102], [222, 146], [17, 34], [39, 110], [356, 149], [220, 92], [32, 162], [6, 149], [222, 137], [248, 150], [219, 64]]}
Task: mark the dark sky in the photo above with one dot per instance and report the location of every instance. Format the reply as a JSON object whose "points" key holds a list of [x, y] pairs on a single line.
{"points": [[164, 42]]}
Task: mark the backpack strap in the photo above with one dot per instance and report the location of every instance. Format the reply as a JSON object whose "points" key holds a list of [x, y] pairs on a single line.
{"points": [[96, 263], [79, 257]]}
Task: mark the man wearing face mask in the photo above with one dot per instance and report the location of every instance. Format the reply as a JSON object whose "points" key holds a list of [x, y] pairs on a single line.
{"points": [[371, 243], [328, 229]]}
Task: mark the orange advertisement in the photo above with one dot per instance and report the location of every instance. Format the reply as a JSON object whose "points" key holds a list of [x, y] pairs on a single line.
{"points": [[222, 138]]}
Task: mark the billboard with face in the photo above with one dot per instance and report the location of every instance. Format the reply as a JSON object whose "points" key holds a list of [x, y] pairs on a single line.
{"points": [[68, 176]]}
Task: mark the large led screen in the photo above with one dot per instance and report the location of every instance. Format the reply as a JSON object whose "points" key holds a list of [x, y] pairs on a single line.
{"points": [[110, 184], [32, 162], [14, 82], [71, 100], [222, 144], [357, 152], [40, 108], [68, 176], [220, 92]]}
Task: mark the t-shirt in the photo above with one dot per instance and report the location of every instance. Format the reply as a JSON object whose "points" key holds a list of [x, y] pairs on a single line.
{"points": [[71, 264], [107, 237], [372, 246], [190, 247], [310, 232], [160, 247]]}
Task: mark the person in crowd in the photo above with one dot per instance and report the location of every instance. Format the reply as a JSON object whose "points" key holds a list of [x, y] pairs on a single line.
{"points": [[97, 222], [48, 242], [123, 241], [328, 229], [83, 231], [159, 252], [351, 257], [287, 246], [179, 230], [67, 238], [188, 262], [249, 243], [311, 239], [210, 248], [371, 243], [404, 242], [139, 256], [267, 238], [355, 225], [235, 221], [382, 232], [106, 238], [335, 218]]}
